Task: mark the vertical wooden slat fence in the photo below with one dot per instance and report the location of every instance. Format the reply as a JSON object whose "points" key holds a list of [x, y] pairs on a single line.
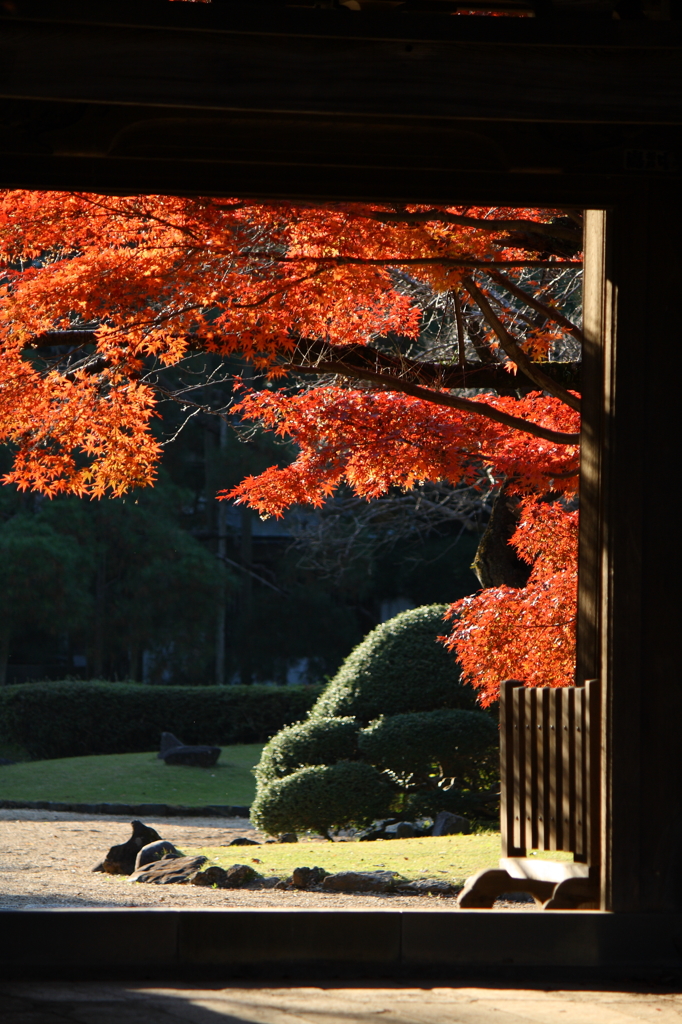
{"points": [[549, 762]]}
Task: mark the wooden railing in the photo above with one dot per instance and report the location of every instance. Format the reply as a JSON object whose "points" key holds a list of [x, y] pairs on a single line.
{"points": [[549, 761], [550, 766]]}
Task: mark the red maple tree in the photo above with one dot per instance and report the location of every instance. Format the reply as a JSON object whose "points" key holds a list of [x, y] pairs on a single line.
{"points": [[99, 292]]}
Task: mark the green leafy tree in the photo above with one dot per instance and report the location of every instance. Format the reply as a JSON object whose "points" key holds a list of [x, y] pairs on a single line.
{"points": [[44, 580]]}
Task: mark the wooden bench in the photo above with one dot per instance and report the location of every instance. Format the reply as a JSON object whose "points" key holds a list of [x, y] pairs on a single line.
{"points": [[550, 798]]}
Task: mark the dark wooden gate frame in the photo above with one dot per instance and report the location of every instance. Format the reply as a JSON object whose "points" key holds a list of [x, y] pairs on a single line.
{"points": [[258, 100]]}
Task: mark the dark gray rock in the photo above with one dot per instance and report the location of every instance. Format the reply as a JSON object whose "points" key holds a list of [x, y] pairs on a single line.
{"points": [[271, 882], [169, 870], [428, 887], [377, 830], [404, 830], [120, 860], [174, 751], [305, 878], [194, 757], [238, 875], [360, 881], [448, 824], [210, 876], [243, 841], [168, 742], [287, 837], [370, 835], [155, 851]]}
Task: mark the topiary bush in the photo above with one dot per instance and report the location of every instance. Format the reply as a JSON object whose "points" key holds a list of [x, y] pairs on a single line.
{"points": [[322, 798], [395, 710], [69, 719], [398, 667], [423, 747], [315, 741]]}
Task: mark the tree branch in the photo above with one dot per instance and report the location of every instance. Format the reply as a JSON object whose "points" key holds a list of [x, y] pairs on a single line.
{"points": [[492, 376], [439, 398], [510, 346], [410, 261], [539, 307], [437, 216]]}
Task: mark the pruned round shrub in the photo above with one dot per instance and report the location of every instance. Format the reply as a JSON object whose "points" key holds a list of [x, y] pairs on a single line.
{"points": [[398, 667], [447, 742], [315, 741], [321, 798]]}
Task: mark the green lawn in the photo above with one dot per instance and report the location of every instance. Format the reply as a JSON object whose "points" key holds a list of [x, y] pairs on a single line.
{"points": [[453, 858], [134, 779]]}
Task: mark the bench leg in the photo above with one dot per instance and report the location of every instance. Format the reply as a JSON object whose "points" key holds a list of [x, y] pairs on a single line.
{"points": [[574, 894], [483, 888]]}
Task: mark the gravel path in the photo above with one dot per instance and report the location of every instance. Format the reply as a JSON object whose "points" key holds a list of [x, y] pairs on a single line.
{"points": [[46, 860]]}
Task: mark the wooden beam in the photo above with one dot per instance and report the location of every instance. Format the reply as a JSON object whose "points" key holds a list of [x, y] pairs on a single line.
{"points": [[244, 57]]}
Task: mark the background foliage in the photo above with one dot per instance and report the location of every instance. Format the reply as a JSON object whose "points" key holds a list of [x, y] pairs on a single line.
{"points": [[68, 719]]}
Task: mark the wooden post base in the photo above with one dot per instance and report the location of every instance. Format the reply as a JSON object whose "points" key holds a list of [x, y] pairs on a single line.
{"points": [[482, 889]]}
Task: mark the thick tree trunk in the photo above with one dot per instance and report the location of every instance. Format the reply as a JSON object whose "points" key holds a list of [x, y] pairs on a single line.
{"points": [[496, 563]]}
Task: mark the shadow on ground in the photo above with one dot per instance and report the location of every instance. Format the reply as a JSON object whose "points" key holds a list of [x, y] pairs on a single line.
{"points": [[161, 1003]]}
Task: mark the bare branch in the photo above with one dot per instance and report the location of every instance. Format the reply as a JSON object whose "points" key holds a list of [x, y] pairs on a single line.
{"points": [[437, 216], [539, 307], [490, 376], [510, 346], [409, 261]]}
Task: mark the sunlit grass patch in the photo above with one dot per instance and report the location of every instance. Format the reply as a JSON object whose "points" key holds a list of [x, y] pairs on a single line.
{"points": [[452, 858]]}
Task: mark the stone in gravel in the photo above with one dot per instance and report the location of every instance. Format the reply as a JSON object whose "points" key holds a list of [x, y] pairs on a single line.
{"points": [[120, 860], [169, 870], [272, 882], [428, 886], [211, 876], [238, 875], [173, 751], [155, 851], [243, 841], [304, 878], [287, 837], [360, 881], [448, 824]]}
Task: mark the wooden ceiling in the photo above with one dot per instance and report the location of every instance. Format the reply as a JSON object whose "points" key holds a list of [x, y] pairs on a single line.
{"points": [[400, 101]]}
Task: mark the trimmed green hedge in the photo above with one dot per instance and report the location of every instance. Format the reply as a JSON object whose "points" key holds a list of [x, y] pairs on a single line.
{"points": [[70, 719], [321, 798], [315, 741], [398, 667], [411, 745]]}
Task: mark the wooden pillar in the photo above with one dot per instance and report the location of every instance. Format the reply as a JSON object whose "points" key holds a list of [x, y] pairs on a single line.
{"points": [[629, 628]]}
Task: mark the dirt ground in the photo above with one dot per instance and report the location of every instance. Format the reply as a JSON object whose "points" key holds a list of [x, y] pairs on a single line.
{"points": [[46, 860]]}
